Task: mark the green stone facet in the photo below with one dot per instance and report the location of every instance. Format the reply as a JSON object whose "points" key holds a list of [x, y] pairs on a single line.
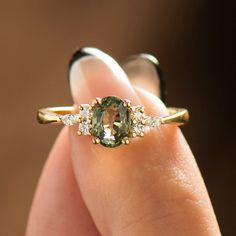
{"points": [[110, 121]]}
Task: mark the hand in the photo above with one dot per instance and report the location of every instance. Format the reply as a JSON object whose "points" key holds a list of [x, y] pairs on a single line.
{"points": [[151, 187]]}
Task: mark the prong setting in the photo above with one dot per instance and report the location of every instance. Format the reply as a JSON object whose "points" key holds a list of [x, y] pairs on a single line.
{"points": [[138, 121], [125, 141], [141, 134], [95, 140], [127, 103], [98, 101]]}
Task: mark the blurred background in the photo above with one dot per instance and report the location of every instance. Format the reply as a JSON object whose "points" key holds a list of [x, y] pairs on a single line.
{"points": [[193, 41]]}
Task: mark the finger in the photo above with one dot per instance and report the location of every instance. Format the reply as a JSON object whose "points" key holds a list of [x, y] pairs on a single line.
{"points": [[181, 194], [152, 186], [143, 70], [85, 74], [58, 208]]}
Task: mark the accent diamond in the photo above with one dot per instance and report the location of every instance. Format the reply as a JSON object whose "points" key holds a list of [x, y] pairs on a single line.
{"points": [[138, 129], [70, 119], [84, 128], [138, 113], [85, 112], [153, 122], [138, 120]]}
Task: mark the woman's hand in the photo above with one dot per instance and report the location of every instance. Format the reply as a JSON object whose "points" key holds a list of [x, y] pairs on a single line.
{"points": [[150, 187]]}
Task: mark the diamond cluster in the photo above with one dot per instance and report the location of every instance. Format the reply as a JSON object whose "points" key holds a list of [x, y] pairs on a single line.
{"points": [[153, 122], [70, 119], [83, 119], [138, 121]]}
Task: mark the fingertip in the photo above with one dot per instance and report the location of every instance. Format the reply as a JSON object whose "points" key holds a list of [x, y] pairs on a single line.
{"points": [[95, 74], [144, 70]]}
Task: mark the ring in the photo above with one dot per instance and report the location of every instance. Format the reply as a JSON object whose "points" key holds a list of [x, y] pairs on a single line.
{"points": [[111, 121]]}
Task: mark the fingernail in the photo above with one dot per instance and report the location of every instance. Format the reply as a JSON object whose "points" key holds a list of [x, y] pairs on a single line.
{"points": [[92, 73], [144, 71]]}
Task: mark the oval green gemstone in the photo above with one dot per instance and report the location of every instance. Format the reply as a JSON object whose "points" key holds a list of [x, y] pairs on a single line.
{"points": [[110, 121]]}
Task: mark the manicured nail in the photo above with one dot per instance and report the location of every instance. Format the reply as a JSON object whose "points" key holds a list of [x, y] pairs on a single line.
{"points": [[144, 71]]}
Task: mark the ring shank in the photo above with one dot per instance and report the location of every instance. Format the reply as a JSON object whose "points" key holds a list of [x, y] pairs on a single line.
{"points": [[52, 114], [177, 116]]}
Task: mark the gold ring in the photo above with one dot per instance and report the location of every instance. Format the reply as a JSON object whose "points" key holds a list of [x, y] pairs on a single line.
{"points": [[111, 121]]}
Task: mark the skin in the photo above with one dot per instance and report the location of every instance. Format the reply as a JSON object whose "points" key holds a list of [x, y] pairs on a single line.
{"points": [[150, 187]]}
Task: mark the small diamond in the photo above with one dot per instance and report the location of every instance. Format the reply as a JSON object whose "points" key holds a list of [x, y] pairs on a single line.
{"points": [[138, 114], [85, 111], [153, 122], [70, 119], [84, 128], [138, 129]]}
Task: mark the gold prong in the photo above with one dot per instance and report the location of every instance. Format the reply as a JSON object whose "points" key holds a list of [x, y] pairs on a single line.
{"points": [[141, 134], [134, 135], [142, 109], [95, 140], [79, 133], [143, 122], [98, 100], [125, 141], [127, 103], [89, 133], [134, 121]]}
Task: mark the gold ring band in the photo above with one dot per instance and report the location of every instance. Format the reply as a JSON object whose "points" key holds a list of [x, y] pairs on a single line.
{"points": [[110, 120], [177, 116]]}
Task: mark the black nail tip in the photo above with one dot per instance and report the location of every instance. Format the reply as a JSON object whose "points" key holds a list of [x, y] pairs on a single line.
{"points": [[152, 59], [78, 54], [156, 64], [163, 91], [86, 51]]}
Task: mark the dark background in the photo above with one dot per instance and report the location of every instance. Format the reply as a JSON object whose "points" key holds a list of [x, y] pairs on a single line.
{"points": [[193, 41]]}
